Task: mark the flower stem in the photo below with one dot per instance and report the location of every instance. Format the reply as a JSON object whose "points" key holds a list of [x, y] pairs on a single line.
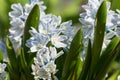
{"points": [[52, 76]]}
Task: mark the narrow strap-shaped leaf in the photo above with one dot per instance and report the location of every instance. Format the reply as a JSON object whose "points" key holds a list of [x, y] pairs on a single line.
{"points": [[107, 58], [58, 62], [32, 21], [11, 55], [86, 65], [22, 60], [98, 37], [11, 73], [72, 56], [1, 56], [78, 69]]}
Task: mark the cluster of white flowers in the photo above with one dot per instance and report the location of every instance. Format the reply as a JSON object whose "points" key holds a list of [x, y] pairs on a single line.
{"points": [[88, 21], [2, 71], [51, 35], [45, 67], [17, 20]]}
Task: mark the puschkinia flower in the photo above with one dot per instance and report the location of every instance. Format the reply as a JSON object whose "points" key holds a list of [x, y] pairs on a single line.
{"points": [[44, 63], [36, 42], [51, 34], [88, 20], [18, 18], [52, 31], [2, 71]]}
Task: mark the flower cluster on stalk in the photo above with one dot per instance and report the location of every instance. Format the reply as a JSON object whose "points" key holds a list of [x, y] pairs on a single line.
{"points": [[87, 18], [50, 36], [17, 20]]}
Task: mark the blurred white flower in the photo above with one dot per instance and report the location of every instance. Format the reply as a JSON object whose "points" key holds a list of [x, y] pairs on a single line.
{"points": [[118, 78], [2, 67], [2, 71], [88, 19]]}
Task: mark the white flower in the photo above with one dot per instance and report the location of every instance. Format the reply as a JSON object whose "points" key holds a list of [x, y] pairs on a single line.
{"points": [[67, 29], [40, 72], [16, 31], [54, 54], [17, 11], [118, 78], [18, 18], [2, 67], [88, 19], [58, 40], [54, 32], [37, 41], [44, 63], [49, 24], [16, 41], [2, 71], [17, 27]]}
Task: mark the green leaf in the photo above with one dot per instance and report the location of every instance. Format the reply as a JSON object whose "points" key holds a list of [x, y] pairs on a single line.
{"points": [[32, 21], [86, 64], [58, 62], [22, 60], [107, 57], [11, 73], [1, 56], [98, 37], [13, 64], [77, 70], [11, 55], [72, 56]]}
